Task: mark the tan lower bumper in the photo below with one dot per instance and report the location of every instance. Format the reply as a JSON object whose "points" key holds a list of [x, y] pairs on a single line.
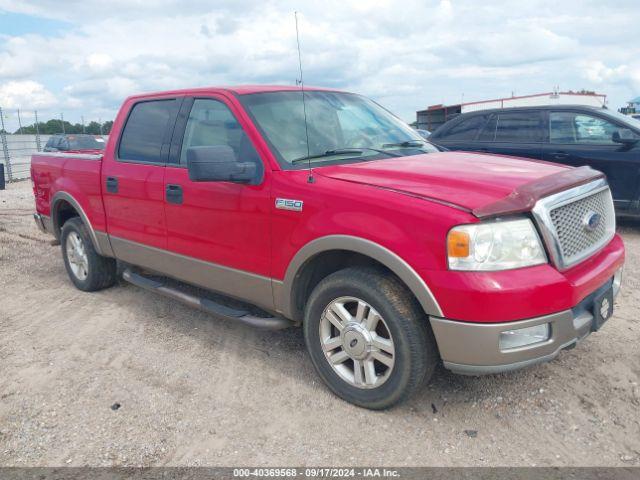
{"points": [[474, 348]]}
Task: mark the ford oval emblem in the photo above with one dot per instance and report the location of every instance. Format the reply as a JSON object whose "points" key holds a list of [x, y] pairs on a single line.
{"points": [[591, 221]]}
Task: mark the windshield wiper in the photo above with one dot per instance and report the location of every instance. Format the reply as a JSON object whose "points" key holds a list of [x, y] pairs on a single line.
{"points": [[408, 143], [342, 151]]}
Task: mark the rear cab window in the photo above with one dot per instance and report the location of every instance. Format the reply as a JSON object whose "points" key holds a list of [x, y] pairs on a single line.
{"points": [[146, 134]]}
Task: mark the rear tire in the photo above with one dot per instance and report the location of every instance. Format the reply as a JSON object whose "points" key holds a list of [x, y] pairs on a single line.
{"points": [[87, 270], [368, 338]]}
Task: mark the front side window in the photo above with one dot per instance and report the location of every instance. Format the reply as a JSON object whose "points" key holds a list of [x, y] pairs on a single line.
{"points": [[579, 128], [211, 123], [340, 127], [145, 130]]}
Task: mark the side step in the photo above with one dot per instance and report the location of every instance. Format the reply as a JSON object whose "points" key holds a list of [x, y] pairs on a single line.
{"points": [[206, 305]]}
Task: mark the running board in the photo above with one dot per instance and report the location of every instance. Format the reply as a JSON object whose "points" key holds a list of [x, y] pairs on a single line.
{"points": [[206, 305]]}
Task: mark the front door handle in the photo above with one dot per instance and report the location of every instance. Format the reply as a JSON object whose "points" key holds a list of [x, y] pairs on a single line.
{"points": [[560, 155], [112, 185], [173, 194]]}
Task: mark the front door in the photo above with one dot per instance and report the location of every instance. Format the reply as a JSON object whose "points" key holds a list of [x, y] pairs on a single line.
{"points": [[579, 138], [218, 232]]}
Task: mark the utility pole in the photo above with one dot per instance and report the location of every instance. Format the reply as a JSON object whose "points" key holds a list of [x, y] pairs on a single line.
{"points": [[5, 147], [19, 123], [62, 123], [100, 123], [82, 120], [38, 144]]}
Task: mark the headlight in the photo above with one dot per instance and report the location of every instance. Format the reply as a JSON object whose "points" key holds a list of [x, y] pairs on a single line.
{"points": [[495, 246]]}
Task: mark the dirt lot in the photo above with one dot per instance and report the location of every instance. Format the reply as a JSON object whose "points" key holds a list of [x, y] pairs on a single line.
{"points": [[193, 390]]}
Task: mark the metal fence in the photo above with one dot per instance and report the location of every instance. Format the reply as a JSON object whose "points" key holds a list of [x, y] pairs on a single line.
{"points": [[17, 146], [16, 154]]}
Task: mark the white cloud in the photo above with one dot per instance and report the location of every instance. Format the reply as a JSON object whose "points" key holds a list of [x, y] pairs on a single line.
{"points": [[27, 95], [99, 62], [406, 54]]}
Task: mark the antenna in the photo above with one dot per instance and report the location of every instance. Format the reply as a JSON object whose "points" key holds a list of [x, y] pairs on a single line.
{"points": [[310, 178]]}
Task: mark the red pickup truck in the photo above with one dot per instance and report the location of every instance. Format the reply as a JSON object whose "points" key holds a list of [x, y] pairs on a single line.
{"points": [[320, 208]]}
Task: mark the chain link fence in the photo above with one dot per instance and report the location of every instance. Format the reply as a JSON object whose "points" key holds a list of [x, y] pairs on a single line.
{"points": [[24, 133]]}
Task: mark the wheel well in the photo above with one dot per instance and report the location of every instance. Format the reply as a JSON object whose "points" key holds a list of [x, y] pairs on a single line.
{"points": [[322, 265], [63, 212]]}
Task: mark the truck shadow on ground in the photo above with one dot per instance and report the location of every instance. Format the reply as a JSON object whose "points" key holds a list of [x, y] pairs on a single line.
{"points": [[283, 353]]}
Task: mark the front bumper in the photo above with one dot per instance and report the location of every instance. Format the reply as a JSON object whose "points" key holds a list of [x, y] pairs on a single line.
{"points": [[474, 348]]}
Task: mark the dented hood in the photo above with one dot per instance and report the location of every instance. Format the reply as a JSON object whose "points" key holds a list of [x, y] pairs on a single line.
{"points": [[485, 185]]}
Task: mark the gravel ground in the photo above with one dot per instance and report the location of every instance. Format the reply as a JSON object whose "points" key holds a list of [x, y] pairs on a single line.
{"points": [[124, 377]]}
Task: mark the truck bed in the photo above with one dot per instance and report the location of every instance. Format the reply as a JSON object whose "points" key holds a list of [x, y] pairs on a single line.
{"points": [[77, 173]]}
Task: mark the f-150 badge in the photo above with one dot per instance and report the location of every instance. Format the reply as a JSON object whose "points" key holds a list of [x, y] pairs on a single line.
{"points": [[288, 204]]}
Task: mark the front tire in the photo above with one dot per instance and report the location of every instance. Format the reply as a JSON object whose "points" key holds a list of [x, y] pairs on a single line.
{"points": [[87, 270], [368, 338]]}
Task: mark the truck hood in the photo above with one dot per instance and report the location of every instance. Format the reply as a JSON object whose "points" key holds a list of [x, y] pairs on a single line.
{"points": [[483, 184]]}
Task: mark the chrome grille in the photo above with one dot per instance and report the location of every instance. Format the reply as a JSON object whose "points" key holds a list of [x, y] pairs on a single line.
{"points": [[563, 219], [569, 222]]}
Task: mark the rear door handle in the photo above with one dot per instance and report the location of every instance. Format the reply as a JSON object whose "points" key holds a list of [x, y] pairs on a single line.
{"points": [[173, 194], [560, 155], [112, 185]]}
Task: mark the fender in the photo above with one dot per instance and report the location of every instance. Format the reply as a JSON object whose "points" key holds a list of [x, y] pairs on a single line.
{"points": [[283, 291], [100, 240]]}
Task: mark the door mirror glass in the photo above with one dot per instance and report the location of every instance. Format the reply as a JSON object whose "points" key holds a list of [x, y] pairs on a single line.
{"points": [[218, 163], [624, 136]]}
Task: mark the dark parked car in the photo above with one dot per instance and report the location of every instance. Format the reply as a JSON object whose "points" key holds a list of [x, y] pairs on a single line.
{"points": [[66, 142], [574, 135]]}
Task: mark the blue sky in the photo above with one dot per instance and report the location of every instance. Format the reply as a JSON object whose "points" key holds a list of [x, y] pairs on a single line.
{"points": [[84, 58], [18, 24]]}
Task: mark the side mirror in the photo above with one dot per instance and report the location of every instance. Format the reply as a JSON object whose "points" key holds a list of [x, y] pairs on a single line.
{"points": [[624, 136], [218, 163]]}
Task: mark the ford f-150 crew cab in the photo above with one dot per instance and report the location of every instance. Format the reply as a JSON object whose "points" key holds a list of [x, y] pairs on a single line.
{"points": [[320, 208]]}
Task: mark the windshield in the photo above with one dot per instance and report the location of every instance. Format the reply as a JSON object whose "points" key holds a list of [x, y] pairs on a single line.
{"points": [[342, 128], [631, 121]]}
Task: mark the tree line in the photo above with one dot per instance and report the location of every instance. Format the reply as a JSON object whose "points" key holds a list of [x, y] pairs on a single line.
{"points": [[58, 126]]}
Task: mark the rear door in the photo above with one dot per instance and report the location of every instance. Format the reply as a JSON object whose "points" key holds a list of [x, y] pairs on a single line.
{"points": [[579, 138], [516, 133], [133, 178]]}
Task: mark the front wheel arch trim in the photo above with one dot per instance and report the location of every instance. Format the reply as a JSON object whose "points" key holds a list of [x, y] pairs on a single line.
{"points": [[286, 301]]}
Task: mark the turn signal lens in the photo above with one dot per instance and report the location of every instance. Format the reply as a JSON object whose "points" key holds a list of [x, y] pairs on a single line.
{"points": [[495, 245], [458, 244]]}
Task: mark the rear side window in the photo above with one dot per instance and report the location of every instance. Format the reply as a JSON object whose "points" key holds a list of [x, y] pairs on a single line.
{"points": [[145, 130], [515, 127], [467, 129], [519, 127], [488, 133]]}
